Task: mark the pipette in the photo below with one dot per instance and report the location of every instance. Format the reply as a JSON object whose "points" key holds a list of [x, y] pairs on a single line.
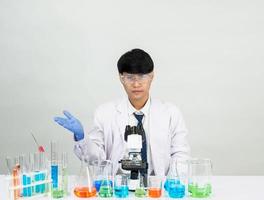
{"points": [[40, 148]]}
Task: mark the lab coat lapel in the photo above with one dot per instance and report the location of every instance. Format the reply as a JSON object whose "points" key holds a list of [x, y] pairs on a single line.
{"points": [[156, 148], [122, 117]]}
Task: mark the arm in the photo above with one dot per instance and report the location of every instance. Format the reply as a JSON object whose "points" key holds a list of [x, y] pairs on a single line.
{"points": [[180, 148], [90, 147]]}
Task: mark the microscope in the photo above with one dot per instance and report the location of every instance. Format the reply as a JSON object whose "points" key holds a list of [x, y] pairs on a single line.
{"points": [[132, 161]]}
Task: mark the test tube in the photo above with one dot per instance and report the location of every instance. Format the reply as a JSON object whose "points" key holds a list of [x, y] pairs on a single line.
{"points": [[37, 171], [54, 165], [22, 162], [30, 169], [16, 177], [43, 172], [14, 171], [65, 172]]}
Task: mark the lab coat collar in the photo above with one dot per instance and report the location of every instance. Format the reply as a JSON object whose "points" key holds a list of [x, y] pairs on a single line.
{"points": [[144, 110]]}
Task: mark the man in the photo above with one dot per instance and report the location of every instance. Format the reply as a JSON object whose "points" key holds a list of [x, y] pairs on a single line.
{"points": [[163, 124]]}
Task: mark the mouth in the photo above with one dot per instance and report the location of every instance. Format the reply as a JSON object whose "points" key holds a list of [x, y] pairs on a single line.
{"points": [[137, 91]]}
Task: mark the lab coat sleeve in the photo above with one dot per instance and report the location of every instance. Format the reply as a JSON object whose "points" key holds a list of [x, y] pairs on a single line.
{"points": [[180, 148], [92, 146]]}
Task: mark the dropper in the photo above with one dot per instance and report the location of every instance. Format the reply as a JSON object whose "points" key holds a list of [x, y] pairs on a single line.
{"points": [[40, 148]]}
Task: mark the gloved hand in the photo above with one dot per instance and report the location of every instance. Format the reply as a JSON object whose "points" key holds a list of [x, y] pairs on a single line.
{"points": [[72, 124]]}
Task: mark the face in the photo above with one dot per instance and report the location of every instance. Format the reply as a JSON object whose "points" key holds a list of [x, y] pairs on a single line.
{"points": [[136, 85]]}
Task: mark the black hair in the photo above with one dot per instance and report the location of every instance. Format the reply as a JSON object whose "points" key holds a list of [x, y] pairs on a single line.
{"points": [[135, 61]]}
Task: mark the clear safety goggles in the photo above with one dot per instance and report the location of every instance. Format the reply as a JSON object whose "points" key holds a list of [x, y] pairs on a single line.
{"points": [[131, 78]]}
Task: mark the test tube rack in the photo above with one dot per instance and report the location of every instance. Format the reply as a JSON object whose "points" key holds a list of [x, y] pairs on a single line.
{"points": [[31, 185]]}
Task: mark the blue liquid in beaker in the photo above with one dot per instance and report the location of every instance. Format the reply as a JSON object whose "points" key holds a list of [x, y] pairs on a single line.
{"points": [[121, 191]]}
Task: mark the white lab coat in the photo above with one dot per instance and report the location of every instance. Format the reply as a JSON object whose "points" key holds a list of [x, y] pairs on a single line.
{"points": [[167, 135]]}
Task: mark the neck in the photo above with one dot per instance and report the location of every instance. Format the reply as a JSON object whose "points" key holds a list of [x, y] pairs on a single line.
{"points": [[139, 103]]}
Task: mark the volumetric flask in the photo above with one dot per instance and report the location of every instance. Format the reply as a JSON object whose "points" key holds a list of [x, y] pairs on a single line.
{"points": [[103, 180], [200, 171], [84, 184]]}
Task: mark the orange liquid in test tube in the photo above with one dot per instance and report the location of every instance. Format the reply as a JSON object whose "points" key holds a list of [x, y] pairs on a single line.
{"points": [[16, 181], [84, 192], [154, 192]]}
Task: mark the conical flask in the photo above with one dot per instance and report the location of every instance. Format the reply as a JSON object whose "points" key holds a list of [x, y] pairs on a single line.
{"points": [[103, 180], [176, 180], [84, 187]]}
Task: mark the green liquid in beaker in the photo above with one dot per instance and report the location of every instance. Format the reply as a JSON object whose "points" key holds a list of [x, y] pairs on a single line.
{"points": [[57, 194], [140, 192], [106, 191], [200, 191]]}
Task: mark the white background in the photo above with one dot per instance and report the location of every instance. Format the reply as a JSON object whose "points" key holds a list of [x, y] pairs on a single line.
{"points": [[208, 55]]}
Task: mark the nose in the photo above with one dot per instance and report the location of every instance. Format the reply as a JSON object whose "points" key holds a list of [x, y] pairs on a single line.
{"points": [[136, 83]]}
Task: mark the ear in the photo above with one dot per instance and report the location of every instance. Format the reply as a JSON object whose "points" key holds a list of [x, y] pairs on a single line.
{"points": [[120, 78], [152, 75]]}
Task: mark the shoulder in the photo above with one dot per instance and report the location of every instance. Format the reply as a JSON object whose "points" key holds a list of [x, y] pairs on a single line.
{"points": [[108, 108], [165, 106]]}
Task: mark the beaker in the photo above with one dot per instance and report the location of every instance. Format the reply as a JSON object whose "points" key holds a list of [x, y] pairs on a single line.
{"points": [[154, 186], [121, 186], [141, 191], [176, 179], [200, 171], [103, 180], [84, 184]]}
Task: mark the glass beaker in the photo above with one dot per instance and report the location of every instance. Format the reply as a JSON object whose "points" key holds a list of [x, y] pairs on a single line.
{"points": [[141, 190], [154, 186], [85, 187], [176, 179], [121, 186], [200, 171], [103, 177]]}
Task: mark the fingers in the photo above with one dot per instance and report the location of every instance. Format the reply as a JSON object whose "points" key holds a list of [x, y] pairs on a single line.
{"points": [[61, 121], [67, 114]]}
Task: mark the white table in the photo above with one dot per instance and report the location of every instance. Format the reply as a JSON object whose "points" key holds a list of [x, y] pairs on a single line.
{"points": [[223, 188]]}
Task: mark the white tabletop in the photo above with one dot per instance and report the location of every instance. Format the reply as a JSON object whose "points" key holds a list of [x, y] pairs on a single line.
{"points": [[223, 188]]}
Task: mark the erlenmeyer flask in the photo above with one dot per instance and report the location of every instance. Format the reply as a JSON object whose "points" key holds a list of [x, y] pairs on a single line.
{"points": [[103, 180], [84, 184], [176, 178]]}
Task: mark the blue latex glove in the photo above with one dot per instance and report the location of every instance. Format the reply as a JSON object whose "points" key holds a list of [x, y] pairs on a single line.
{"points": [[72, 124]]}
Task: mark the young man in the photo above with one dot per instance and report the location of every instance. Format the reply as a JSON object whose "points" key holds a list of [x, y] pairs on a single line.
{"points": [[162, 122]]}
